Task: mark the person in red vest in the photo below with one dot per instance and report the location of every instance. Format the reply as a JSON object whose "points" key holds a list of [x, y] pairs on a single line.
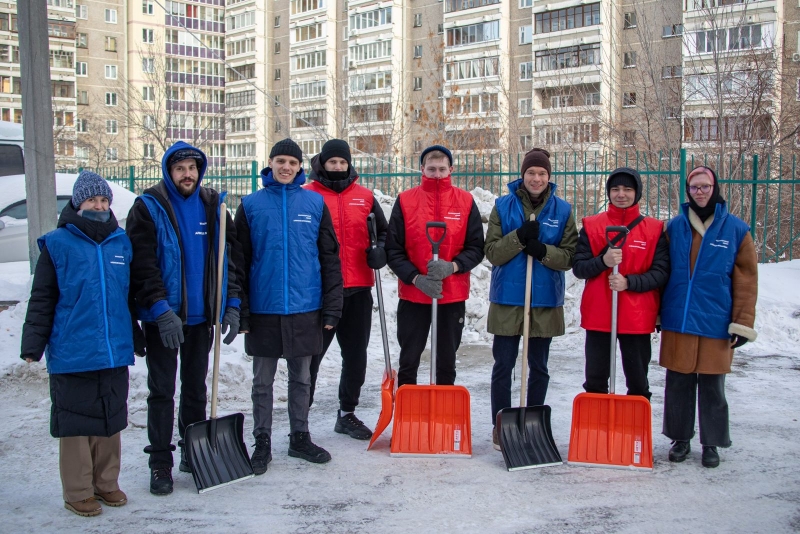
{"points": [[334, 177], [420, 278], [643, 262]]}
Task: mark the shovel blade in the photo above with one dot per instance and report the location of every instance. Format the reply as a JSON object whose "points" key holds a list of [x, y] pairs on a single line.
{"points": [[216, 452], [387, 406], [612, 431], [526, 439]]}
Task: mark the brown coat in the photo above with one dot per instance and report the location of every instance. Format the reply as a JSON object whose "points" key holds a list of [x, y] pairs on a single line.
{"points": [[688, 353]]}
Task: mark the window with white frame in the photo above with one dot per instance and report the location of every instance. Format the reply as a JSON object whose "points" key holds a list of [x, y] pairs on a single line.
{"points": [[372, 81], [371, 19], [365, 52], [111, 16], [111, 44], [671, 71], [629, 20], [111, 126], [147, 7], [737, 38], [525, 34], [525, 107], [628, 60], [471, 104], [417, 51], [417, 83], [276, 48], [671, 30], [82, 40], [301, 6], [628, 138], [81, 11], [473, 33], [111, 72], [81, 68], [591, 99], [112, 154], [149, 151], [149, 122], [417, 20], [525, 3], [628, 99], [308, 32], [111, 99], [525, 142], [81, 125], [468, 69], [562, 101], [310, 60], [277, 22], [147, 35], [302, 91], [148, 65], [526, 70], [148, 95]]}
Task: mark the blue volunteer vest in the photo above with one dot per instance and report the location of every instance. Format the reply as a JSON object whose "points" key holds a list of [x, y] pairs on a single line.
{"points": [[285, 275], [701, 303], [92, 324], [508, 281]]}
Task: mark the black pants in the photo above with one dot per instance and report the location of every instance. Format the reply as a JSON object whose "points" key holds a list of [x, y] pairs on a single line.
{"points": [[504, 351], [413, 327], [636, 352], [679, 408], [352, 333], [162, 367]]}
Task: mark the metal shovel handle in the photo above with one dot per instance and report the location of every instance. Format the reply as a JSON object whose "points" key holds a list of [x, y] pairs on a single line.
{"points": [[434, 304], [614, 301], [526, 328], [373, 243]]}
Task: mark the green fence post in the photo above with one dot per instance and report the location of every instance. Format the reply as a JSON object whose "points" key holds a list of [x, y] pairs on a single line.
{"points": [[753, 193], [132, 179], [253, 177], [682, 178]]}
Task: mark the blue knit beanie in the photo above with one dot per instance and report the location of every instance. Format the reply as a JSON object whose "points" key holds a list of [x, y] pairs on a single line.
{"points": [[88, 185]]}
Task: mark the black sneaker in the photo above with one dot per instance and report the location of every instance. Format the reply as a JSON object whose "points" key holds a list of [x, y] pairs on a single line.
{"points": [[300, 446], [710, 456], [161, 481], [679, 451], [184, 465], [262, 456], [352, 426]]}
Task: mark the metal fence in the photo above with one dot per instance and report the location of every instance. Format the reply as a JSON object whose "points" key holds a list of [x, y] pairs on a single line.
{"points": [[762, 191]]}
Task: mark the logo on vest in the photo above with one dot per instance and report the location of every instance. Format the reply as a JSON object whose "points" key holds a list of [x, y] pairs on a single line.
{"points": [[302, 218], [635, 243], [203, 231], [552, 223], [453, 216], [360, 202], [118, 260], [720, 243]]}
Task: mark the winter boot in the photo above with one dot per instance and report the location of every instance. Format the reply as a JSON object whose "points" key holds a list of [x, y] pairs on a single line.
{"points": [[86, 508], [300, 446], [679, 451], [710, 456], [495, 439], [262, 456], [112, 498], [184, 465], [161, 481], [352, 426]]}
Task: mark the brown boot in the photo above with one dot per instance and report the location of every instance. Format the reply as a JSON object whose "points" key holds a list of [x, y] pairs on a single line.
{"points": [[86, 508], [112, 498]]}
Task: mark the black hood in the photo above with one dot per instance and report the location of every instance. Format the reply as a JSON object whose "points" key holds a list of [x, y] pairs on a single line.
{"points": [[633, 173], [319, 174], [95, 230], [709, 209]]}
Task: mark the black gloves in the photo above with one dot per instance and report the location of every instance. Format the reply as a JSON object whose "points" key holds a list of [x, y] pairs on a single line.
{"points": [[737, 341], [330, 320], [230, 321], [170, 327], [429, 286], [376, 258], [439, 269], [536, 248], [528, 232]]}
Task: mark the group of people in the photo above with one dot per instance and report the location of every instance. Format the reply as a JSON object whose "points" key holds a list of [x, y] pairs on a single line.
{"points": [[300, 263]]}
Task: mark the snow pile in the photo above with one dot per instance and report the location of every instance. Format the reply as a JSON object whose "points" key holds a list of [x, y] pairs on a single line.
{"points": [[15, 280]]}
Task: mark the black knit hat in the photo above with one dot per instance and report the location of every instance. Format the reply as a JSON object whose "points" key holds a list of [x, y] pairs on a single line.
{"points": [[626, 177], [287, 147], [185, 153], [335, 148], [90, 185], [536, 157], [433, 148]]}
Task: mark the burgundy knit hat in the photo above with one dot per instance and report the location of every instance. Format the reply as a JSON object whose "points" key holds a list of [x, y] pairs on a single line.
{"points": [[536, 157]]}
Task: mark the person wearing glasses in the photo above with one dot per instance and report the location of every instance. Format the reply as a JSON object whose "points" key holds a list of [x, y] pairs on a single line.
{"points": [[708, 310]]}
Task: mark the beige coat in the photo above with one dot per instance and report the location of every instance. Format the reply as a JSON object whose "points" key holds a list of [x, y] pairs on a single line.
{"points": [[688, 353]]}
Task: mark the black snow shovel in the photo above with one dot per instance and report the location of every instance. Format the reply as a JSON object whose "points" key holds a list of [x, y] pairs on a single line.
{"points": [[526, 439], [215, 448]]}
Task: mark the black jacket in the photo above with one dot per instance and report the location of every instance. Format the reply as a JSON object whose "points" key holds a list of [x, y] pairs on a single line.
{"points": [[147, 283]]}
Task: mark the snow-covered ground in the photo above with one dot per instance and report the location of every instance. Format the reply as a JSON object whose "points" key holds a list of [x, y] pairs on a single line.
{"points": [[755, 489]]}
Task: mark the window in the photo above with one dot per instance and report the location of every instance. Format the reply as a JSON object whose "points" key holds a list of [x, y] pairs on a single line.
{"points": [[309, 61], [474, 33], [82, 40], [458, 5], [81, 11], [149, 122], [526, 70], [592, 99], [525, 3], [471, 68], [628, 138], [371, 19], [525, 142], [417, 115], [309, 32], [562, 101], [149, 151], [418, 146], [111, 44], [798, 89], [81, 68], [418, 83], [525, 107], [673, 112], [111, 126], [148, 95], [418, 20], [242, 98], [567, 57], [628, 60], [277, 47], [147, 7], [630, 20], [277, 126], [365, 52], [148, 65], [61, 59], [440, 28], [81, 125], [309, 118], [111, 16], [470, 104], [83, 98], [241, 20], [147, 35], [111, 154], [277, 21], [671, 71], [567, 18], [525, 34], [417, 51], [276, 100], [628, 100], [63, 89], [372, 81], [672, 30], [738, 38], [570, 133], [111, 99], [111, 72], [302, 91], [277, 74], [301, 6], [730, 127]]}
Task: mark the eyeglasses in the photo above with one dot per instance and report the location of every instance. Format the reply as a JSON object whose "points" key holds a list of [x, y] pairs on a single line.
{"points": [[705, 188]]}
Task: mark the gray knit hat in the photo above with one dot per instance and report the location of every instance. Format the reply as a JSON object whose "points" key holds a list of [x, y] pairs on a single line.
{"points": [[88, 185]]}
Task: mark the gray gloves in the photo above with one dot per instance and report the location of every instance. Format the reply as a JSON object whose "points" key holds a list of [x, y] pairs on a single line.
{"points": [[170, 327], [429, 286], [230, 321], [439, 269]]}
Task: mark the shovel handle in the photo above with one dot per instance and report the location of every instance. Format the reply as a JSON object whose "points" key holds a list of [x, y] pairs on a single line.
{"points": [[616, 242], [435, 243], [373, 243], [435, 302], [526, 329], [223, 219]]}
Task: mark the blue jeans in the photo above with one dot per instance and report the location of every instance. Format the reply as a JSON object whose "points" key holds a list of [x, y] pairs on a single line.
{"points": [[504, 350]]}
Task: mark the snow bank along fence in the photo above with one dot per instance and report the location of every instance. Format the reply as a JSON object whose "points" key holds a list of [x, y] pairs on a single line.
{"points": [[761, 191]]}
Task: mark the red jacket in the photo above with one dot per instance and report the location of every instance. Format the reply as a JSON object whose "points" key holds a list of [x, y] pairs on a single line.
{"points": [[435, 200], [636, 312], [349, 210]]}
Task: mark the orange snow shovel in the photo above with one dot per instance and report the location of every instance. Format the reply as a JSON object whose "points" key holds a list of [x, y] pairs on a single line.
{"points": [[613, 431], [389, 376], [432, 420]]}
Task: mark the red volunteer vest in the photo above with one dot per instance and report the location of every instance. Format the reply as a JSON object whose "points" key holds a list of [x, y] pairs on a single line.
{"points": [[349, 210], [636, 312], [436, 200]]}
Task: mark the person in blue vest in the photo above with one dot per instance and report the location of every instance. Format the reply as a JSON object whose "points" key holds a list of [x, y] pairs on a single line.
{"points": [[292, 290], [79, 316], [708, 310], [174, 229], [510, 239]]}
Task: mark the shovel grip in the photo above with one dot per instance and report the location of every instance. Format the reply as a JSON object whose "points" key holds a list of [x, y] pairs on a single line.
{"points": [[434, 242], [616, 241], [373, 232]]}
